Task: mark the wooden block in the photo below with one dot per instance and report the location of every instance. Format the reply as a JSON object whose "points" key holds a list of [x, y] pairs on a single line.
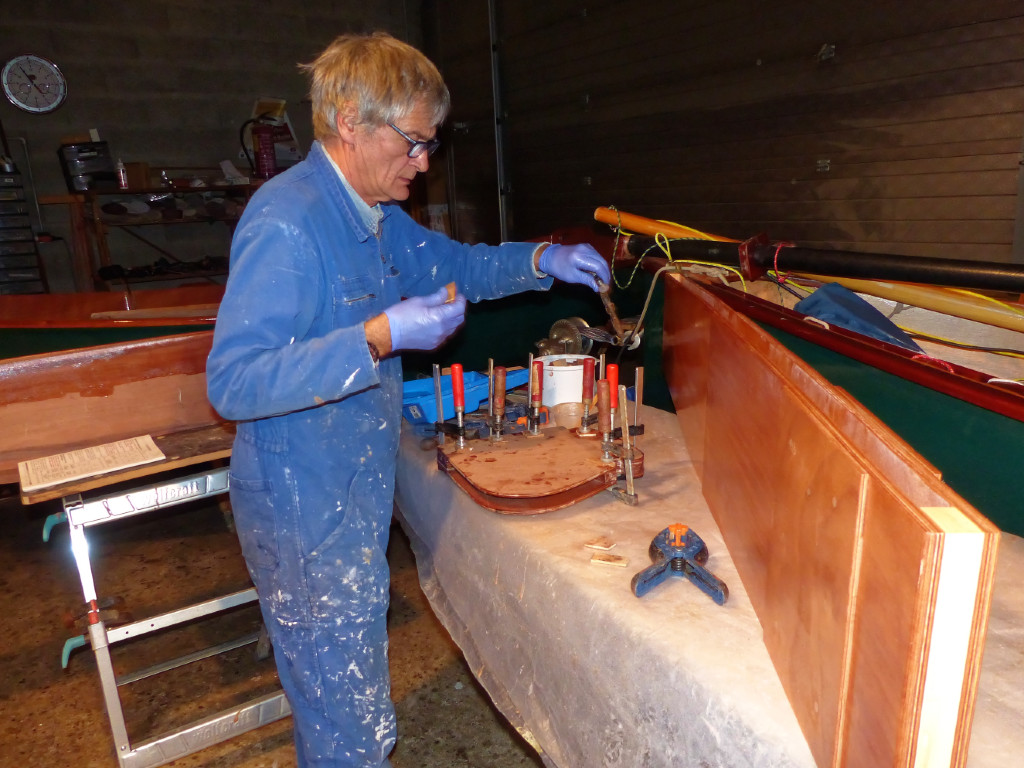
{"points": [[605, 558]]}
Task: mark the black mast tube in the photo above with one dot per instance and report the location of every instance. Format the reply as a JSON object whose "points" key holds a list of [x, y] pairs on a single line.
{"points": [[756, 256]]}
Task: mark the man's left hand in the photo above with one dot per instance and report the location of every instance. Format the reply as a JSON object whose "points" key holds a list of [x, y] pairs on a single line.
{"points": [[575, 264]]}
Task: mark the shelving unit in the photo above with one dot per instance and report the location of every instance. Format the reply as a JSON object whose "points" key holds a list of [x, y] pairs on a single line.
{"points": [[229, 199], [20, 268]]}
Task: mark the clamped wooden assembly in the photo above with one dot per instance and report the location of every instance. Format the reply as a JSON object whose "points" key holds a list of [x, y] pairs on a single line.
{"points": [[679, 551]]}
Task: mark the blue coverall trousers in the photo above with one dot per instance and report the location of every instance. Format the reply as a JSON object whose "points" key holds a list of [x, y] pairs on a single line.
{"points": [[324, 605]]}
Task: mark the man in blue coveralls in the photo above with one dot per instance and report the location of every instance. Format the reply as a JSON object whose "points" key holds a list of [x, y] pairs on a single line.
{"points": [[306, 358]]}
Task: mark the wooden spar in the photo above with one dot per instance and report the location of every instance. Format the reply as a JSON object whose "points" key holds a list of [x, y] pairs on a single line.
{"points": [[206, 312], [935, 298], [645, 226], [756, 256]]}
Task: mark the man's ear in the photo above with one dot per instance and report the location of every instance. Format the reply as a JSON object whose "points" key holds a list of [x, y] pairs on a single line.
{"points": [[346, 123]]}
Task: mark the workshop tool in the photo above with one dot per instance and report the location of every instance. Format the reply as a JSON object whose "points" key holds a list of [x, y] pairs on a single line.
{"points": [[459, 396], [522, 423], [612, 374], [588, 398], [569, 336], [490, 389], [638, 394], [498, 402], [627, 495], [604, 419], [679, 551], [532, 470], [604, 290], [112, 611], [439, 404], [536, 395]]}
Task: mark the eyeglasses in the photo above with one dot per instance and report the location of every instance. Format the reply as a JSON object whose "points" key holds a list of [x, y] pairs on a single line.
{"points": [[417, 148]]}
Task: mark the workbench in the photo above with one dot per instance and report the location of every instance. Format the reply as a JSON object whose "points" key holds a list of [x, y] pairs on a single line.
{"points": [[592, 675]]}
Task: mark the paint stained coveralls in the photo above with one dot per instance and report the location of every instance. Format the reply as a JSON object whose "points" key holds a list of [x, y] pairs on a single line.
{"points": [[313, 466]]}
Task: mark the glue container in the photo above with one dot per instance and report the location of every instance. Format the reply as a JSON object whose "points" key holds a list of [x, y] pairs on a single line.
{"points": [[563, 379]]}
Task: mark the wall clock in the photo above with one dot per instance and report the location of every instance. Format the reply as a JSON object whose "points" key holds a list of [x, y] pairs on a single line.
{"points": [[33, 83]]}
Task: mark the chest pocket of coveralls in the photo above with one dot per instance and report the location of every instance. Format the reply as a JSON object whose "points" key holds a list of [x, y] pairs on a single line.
{"points": [[355, 294]]}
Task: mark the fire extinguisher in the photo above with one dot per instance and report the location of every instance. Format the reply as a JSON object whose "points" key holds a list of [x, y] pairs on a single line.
{"points": [[264, 157]]}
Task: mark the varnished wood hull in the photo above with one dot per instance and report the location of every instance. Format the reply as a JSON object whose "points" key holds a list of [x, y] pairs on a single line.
{"points": [[196, 304], [65, 400]]}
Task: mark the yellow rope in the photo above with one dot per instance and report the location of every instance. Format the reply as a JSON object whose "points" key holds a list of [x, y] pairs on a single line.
{"points": [[661, 242], [1005, 305]]}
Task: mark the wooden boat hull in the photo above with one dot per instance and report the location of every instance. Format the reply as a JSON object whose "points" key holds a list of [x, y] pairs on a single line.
{"points": [[96, 309], [44, 323], [967, 423], [66, 400]]}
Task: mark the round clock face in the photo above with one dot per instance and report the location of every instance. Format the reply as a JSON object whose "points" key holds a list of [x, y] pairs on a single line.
{"points": [[33, 83]]}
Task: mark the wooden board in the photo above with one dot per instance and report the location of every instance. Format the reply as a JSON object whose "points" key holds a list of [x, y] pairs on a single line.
{"points": [[180, 449], [528, 474], [827, 516]]}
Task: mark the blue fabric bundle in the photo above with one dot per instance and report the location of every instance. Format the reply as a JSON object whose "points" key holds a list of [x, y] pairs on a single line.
{"points": [[840, 306]]}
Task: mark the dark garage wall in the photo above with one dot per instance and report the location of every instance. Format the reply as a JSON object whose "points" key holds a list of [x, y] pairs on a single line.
{"points": [[868, 126], [169, 82]]}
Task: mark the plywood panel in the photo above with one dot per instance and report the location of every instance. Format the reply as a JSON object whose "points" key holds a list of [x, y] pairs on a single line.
{"points": [[821, 508], [787, 495], [886, 669]]}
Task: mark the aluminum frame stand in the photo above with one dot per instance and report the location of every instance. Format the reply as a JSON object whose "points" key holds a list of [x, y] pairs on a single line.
{"points": [[82, 514]]}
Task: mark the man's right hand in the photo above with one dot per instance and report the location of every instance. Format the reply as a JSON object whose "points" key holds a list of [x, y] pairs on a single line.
{"points": [[423, 322]]}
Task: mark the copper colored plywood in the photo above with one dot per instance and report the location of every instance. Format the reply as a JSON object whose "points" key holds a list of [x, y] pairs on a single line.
{"points": [[829, 518]]}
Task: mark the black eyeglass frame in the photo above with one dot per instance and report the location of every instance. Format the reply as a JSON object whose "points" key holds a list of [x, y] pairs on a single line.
{"points": [[417, 148]]}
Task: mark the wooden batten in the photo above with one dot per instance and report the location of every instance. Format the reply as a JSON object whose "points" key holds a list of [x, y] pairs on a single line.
{"points": [[58, 402], [838, 530], [163, 306]]}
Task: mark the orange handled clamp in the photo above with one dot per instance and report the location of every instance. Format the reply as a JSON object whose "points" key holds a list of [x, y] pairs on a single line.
{"points": [[459, 397]]}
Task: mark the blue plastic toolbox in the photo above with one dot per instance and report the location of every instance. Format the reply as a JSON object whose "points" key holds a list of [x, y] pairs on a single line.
{"points": [[419, 405]]}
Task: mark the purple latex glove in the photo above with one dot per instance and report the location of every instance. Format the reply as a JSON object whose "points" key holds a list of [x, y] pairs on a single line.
{"points": [[575, 264], [423, 322]]}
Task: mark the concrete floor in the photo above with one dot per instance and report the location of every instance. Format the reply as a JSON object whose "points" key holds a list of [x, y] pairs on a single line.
{"points": [[161, 561]]}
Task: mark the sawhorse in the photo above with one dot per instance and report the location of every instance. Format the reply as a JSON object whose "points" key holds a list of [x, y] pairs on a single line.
{"points": [[82, 513]]}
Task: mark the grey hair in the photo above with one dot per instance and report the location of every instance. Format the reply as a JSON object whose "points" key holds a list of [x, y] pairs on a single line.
{"points": [[379, 77]]}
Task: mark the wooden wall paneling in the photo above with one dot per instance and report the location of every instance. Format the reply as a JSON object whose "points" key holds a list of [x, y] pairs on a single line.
{"points": [[644, 116]]}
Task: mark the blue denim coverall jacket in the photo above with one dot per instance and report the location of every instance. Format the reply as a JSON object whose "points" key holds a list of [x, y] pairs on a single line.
{"points": [[313, 466]]}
